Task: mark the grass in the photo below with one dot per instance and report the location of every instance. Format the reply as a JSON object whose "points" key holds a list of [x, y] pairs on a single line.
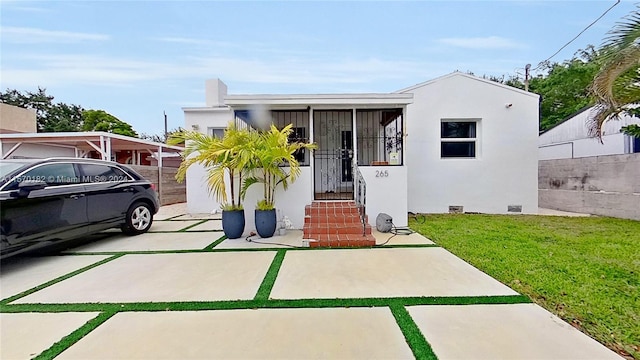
{"points": [[585, 270]]}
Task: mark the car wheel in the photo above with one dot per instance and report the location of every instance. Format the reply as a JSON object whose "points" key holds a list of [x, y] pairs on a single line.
{"points": [[139, 219]]}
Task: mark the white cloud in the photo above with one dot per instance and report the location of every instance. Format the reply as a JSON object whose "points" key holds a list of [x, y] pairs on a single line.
{"points": [[27, 35], [489, 42]]}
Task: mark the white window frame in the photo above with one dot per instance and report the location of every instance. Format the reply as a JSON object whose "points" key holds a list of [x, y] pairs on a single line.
{"points": [[211, 130], [475, 140]]}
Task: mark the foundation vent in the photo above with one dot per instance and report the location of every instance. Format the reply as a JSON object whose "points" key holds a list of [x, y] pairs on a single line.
{"points": [[514, 208], [456, 209]]}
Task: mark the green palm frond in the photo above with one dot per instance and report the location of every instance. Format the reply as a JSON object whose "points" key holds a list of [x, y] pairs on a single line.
{"points": [[617, 84]]}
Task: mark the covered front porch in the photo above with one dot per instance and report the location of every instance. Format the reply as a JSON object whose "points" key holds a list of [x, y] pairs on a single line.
{"points": [[360, 155]]}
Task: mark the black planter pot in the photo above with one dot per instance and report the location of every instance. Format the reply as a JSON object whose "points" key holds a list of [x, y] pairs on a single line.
{"points": [[233, 223], [266, 222]]}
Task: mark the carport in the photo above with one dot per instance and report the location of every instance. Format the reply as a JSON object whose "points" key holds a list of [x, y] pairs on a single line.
{"points": [[105, 146]]}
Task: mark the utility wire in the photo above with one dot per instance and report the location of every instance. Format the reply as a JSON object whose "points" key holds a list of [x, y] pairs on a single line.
{"points": [[581, 32]]}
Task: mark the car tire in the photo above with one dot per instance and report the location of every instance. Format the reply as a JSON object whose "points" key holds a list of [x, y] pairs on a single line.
{"points": [[139, 219]]}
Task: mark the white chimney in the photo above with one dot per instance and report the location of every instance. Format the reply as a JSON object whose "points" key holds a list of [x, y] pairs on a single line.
{"points": [[215, 91]]}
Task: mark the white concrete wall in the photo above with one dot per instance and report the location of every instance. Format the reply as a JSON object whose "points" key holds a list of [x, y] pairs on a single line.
{"points": [[505, 171], [288, 203], [386, 192], [198, 198], [571, 139], [37, 151]]}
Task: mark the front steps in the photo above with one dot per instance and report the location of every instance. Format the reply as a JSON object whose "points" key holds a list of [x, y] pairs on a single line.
{"points": [[335, 224]]}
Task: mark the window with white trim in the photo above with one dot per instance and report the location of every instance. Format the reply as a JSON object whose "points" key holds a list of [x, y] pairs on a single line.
{"points": [[458, 139], [215, 132]]}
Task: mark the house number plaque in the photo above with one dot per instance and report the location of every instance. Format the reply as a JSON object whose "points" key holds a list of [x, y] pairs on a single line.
{"points": [[382, 173]]}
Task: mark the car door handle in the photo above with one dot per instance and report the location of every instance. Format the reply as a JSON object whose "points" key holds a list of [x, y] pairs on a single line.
{"points": [[76, 197], [128, 189]]}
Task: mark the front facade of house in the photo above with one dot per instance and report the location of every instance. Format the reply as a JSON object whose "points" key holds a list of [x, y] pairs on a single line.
{"points": [[455, 143], [570, 139]]}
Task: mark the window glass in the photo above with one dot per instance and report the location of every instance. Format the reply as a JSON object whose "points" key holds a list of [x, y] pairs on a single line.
{"points": [[101, 173], [459, 149], [216, 132], [458, 130], [458, 139], [52, 174]]}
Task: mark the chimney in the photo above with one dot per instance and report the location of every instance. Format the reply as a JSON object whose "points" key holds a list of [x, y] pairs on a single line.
{"points": [[215, 91]]}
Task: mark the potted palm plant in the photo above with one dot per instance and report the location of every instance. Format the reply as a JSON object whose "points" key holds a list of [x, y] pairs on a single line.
{"points": [[273, 163], [223, 158]]}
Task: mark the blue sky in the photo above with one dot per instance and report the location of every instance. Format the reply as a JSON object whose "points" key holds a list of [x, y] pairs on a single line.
{"points": [[138, 59]]}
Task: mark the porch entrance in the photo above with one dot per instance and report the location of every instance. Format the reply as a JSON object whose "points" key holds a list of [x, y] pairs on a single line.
{"points": [[333, 160]]}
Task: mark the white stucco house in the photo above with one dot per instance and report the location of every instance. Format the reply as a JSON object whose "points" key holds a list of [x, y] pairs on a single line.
{"points": [[570, 139], [455, 143]]}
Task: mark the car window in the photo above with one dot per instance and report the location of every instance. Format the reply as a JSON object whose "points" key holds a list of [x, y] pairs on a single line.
{"points": [[92, 173], [52, 174]]}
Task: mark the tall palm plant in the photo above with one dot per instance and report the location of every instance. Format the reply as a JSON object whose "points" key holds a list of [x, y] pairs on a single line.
{"points": [[273, 154], [229, 155], [617, 84]]}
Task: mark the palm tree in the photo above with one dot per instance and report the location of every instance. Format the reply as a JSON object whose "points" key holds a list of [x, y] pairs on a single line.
{"points": [[617, 84], [230, 155], [272, 150]]}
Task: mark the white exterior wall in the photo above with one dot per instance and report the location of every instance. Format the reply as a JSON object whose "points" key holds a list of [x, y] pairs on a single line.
{"points": [[199, 201], [386, 194], [570, 139], [505, 170], [37, 151]]}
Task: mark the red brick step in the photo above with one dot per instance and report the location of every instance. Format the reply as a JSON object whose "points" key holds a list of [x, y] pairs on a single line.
{"points": [[336, 224]]}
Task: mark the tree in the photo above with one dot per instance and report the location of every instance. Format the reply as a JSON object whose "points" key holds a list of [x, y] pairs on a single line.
{"points": [[617, 83], [100, 120], [564, 90], [563, 87], [50, 117]]}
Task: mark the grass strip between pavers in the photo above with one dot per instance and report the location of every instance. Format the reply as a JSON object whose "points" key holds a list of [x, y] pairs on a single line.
{"points": [[265, 304], [62, 345], [194, 225], [270, 278], [57, 280], [415, 339], [215, 243]]}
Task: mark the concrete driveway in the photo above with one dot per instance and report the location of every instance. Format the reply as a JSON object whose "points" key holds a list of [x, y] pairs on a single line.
{"points": [[181, 292]]}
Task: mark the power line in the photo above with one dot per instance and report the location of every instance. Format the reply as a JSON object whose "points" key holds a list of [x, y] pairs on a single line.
{"points": [[581, 32]]}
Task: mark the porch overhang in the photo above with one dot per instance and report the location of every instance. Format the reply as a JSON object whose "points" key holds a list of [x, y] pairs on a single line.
{"points": [[320, 100]]}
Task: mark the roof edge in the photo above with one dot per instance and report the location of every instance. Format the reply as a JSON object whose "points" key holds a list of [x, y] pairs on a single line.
{"points": [[469, 76]]}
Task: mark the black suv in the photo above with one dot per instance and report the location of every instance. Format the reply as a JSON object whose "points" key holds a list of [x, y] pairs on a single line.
{"points": [[46, 201]]}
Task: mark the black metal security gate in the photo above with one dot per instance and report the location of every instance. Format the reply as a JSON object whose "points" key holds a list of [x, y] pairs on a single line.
{"points": [[333, 160]]}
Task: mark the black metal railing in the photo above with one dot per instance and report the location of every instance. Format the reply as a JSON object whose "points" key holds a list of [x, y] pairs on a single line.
{"points": [[360, 196]]}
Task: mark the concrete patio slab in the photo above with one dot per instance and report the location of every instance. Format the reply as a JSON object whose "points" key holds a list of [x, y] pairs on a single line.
{"points": [[216, 216], [400, 239], [355, 333], [151, 242], [21, 274], [293, 238], [170, 211], [163, 277], [518, 331], [209, 225], [171, 225], [394, 272], [26, 335]]}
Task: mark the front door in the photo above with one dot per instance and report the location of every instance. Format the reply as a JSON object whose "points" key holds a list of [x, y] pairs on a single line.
{"points": [[333, 169]]}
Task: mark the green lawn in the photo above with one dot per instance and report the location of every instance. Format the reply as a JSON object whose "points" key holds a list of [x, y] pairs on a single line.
{"points": [[585, 270]]}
